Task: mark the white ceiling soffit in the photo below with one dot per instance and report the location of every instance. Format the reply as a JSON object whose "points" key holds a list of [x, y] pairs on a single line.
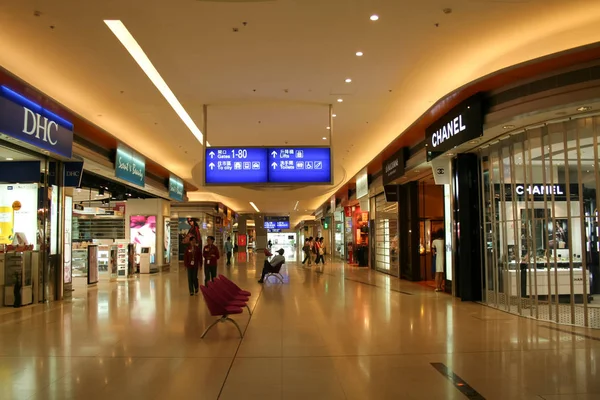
{"points": [[274, 62]]}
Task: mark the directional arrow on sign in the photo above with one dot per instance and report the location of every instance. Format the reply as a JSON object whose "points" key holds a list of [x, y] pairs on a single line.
{"points": [[211, 165], [274, 165], [212, 154], [274, 154]]}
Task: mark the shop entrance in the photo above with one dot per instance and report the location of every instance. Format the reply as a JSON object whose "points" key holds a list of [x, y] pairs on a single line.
{"points": [[286, 241], [431, 223]]}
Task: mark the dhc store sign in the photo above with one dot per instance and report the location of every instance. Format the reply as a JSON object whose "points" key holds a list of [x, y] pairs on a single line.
{"points": [[130, 166], [24, 120], [463, 123]]}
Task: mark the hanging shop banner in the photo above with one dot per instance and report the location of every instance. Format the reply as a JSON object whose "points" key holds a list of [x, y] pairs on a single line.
{"points": [[261, 165], [391, 193], [277, 222], [20, 171], [73, 172], [362, 184], [175, 188], [242, 240], [393, 167], [461, 124], [442, 170], [27, 121], [130, 166]]}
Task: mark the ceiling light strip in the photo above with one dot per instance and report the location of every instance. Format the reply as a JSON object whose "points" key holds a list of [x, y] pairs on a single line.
{"points": [[254, 206], [128, 41]]}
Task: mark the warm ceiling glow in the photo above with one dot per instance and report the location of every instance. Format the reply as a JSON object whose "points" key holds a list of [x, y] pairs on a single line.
{"points": [[359, 53], [374, 17], [348, 80], [328, 127], [128, 41], [324, 138], [254, 206], [334, 115], [340, 100]]}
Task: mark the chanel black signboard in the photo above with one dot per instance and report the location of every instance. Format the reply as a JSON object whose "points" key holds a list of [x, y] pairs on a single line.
{"points": [[461, 124]]}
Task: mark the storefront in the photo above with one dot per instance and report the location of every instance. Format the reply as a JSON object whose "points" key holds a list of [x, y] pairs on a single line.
{"points": [[540, 202], [34, 148]]}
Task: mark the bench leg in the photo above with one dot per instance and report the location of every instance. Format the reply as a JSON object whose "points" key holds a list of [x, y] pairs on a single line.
{"points": [[249, 311], [236, 325], [211, 326]]}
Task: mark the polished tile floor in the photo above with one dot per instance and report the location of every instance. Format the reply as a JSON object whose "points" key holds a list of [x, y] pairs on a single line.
{"points": [[345, 333]]}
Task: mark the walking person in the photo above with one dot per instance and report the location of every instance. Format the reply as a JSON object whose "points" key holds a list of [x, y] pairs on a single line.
{"points": [[192, 260], [439, 250], [306, 250], [317, 250], [211, 256], [228, 250], [322, 250]]}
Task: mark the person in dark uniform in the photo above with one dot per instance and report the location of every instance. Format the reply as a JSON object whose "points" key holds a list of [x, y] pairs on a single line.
{"points": [[211, 256], [192, 261]]}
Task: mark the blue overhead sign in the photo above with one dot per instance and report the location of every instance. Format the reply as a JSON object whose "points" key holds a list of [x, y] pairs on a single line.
{"points": [[277, 223], [235, 165], [261, 165], [300, 165]]}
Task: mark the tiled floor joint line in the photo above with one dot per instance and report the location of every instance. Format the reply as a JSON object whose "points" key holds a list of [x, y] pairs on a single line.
{"points": [[379, 287], [583, 335], [239, 346], [458, 382]]}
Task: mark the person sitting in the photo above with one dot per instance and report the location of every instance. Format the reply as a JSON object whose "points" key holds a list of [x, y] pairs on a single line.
{"points": [[270, 266]]}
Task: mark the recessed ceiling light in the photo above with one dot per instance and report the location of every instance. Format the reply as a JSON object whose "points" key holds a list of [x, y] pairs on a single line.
{"points": [[324, 138], [348, 80], [334, 115], [473, 141], [9, 158], [254, 206], [508, 127], [128, 41], [328, 127], [359, 53], [340, 100], [584, 108], [374, 17], [450, 154]]}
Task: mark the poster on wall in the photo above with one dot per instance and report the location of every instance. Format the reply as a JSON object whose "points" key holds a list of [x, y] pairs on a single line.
{"points": [[18, 214], [54, 219], [143, 233], [187, 227], [167, 240], [67, 272], [92, 264]]}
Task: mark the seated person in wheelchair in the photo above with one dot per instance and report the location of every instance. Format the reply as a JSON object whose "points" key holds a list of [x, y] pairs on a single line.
{"points": [[273, 265]]}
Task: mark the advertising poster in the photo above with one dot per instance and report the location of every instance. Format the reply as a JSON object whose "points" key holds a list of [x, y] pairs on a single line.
{"points": [[143, 233], [92, 264], [18, 213], [187, 227], [67, 272], [167, 241]]}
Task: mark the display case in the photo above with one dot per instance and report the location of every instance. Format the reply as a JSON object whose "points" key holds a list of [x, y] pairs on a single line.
{"points": [[79, 262], [18, 269], [103, 258]]}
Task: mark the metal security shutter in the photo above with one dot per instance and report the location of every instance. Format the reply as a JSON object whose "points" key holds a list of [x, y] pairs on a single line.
{"points": [[386, 236]]}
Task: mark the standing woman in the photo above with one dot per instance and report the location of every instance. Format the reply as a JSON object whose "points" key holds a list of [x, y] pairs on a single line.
{"points": [[322, 249], [439, 249], [192, 261], [317, 250]]}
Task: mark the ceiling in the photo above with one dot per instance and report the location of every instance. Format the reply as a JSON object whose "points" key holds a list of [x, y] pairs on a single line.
{"points": [[268, 71]]}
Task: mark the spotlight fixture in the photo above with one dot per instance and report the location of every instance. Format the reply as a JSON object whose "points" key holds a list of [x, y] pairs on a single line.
{"points": [[359, 54], [324, 138], [328, 128], [508, 127], [334, 115], [340, 100], [9, 158], [584, 108], [101, 192], [374, 17], [348, 80]]}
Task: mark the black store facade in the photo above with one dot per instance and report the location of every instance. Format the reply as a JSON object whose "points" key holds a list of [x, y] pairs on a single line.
{"points": [[35, 166], [399, 227]]}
